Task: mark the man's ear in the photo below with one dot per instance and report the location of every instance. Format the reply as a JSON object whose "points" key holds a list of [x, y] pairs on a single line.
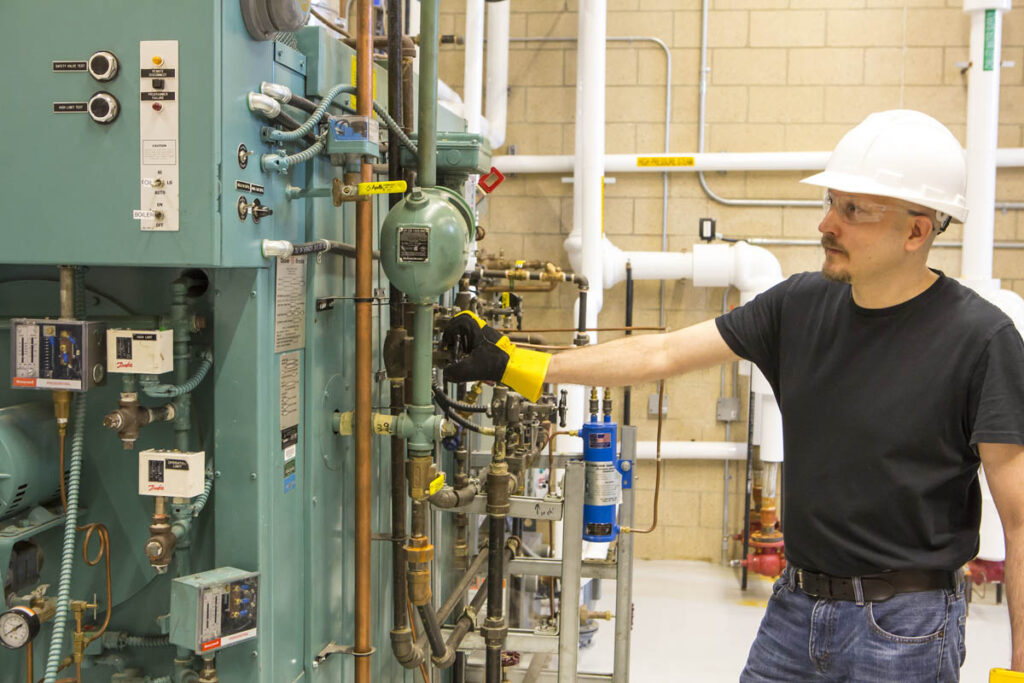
{"points": [[920, 230]]}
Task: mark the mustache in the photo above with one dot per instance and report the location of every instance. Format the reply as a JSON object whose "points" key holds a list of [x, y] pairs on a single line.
{"points": [[829, 242]]}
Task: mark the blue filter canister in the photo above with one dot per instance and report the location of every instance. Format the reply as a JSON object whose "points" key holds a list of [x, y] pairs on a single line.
{"points": [[603, 481]]}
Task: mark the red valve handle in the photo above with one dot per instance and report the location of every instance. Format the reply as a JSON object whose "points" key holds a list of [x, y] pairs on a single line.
{"points": [[488, 185]]}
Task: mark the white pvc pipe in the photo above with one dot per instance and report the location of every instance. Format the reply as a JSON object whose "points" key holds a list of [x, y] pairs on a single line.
{"points": [[693, 450], [982, 133], [445, 93], [473, 80], [585, 254], [1011, 157], [497, 71]]}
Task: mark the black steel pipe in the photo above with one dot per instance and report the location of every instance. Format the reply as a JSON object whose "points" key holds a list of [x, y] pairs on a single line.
{"points": [[582, 321], [465, 621], [463, 585], [627, 392], [432, 627]]}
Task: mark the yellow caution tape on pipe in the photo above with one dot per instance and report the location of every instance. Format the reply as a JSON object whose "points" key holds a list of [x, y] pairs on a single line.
{"points": [[382, 187]]}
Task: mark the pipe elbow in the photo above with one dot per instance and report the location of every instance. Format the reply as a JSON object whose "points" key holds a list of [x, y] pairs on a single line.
{"points": [[405, 651], [446, 660], [756, 269]]}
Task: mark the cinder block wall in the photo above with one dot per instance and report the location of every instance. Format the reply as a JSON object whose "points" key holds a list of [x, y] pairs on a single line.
{"points": [[786, 75]]}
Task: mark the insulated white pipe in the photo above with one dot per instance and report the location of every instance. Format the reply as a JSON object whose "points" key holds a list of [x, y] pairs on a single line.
{"points": [[473, 80], [693, 450], [445, 93], [1010, 157], [982, 137], [497, 71], [585, 254]]}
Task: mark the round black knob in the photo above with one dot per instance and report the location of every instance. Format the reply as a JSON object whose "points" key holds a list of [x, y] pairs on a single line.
{"points": [[103, 108], [103, 66]]}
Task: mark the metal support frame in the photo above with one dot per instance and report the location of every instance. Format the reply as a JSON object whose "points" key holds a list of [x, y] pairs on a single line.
{"points": [[571, 568]]}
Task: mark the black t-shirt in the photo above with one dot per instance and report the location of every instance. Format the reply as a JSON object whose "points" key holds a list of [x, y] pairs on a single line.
{"points": [[882, 410]]}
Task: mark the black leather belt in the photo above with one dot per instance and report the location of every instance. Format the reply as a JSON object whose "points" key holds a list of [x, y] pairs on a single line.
{"points": [[874, 587]]}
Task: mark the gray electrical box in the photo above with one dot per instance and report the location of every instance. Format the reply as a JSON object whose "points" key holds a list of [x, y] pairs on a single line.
{"points": [[728, 410], [214, 609], [57, 354], [652, 406]]}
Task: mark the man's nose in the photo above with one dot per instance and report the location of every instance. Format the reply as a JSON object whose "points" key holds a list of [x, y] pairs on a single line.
{"points": [[829, 224]]}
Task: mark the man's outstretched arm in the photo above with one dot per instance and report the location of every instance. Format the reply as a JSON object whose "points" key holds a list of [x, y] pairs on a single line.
{"points": [[634, 360], [483, 353]]}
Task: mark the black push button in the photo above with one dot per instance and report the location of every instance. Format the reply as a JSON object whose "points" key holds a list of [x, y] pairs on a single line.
{"points": [[158, 84]]}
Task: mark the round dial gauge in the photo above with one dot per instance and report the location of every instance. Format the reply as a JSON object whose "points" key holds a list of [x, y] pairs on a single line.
{"points": [[18, 625]]}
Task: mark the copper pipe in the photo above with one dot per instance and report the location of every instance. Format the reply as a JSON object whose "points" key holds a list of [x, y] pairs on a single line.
{"points": [[29, 662], [657, 470], [364, 343]]}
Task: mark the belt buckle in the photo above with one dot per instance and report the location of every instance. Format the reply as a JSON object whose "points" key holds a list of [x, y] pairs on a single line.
{"points": [[800, 579]]}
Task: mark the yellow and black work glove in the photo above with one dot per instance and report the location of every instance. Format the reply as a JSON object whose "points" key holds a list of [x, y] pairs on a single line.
{"points": [[1005, 676], [490, 355]]}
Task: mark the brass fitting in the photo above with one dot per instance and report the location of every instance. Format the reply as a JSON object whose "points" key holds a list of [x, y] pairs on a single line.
{"points": [[130, 418], [499, 483], [494, 631], [420, 471], [586, 615], [208, 674], [420, 553], [62, 409], [160, 546], [78, 608], [419, 550]]}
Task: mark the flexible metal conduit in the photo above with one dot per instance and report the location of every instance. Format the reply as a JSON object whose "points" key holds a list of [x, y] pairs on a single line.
{"points": [[175, 390], [67, 560]]}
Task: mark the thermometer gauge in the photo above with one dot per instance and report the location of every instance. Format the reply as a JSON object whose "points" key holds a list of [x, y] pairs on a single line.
{"points": [[18, 626]]}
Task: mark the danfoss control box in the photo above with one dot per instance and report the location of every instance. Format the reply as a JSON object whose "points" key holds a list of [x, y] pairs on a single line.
{"points": [[171, 473], [145, 352]]}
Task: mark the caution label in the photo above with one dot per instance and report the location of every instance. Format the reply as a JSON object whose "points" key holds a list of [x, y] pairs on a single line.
{"points": [[383, 187], [648, 162]]}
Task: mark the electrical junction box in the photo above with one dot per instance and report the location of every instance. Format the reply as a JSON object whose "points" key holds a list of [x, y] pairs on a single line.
{"points": [[214, 609], [146, 352], [652, 406], [355, 135], [57, 354], [171, 473], [457, 153]]}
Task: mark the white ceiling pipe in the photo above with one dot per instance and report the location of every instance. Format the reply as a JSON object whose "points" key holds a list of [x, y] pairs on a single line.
{"points": [[982, 133], [1010, 157], [693, 450], [473, 79], [497, 71]]}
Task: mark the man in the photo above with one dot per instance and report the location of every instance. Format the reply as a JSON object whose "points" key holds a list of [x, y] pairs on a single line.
{"points": [[894, 381]]}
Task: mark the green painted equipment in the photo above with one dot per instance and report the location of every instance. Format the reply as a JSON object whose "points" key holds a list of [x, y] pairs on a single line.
{"points": [[425, 242]]}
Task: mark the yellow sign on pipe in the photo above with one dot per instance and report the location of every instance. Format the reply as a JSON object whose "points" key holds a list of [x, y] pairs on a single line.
{"points": [[647, 162], [383, 187]]}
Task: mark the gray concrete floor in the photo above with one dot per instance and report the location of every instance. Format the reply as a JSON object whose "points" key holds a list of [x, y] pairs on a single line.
{"points": [[692, 623]]}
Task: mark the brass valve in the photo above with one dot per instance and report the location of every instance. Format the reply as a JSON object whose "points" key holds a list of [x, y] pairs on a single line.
{"points": [[586, 615]]}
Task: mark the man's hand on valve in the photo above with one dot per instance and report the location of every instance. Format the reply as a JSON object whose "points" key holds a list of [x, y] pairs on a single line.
{"points": [[483, 353]]}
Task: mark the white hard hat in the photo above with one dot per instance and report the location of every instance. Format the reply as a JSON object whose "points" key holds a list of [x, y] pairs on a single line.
{"points": [[901, 154]]}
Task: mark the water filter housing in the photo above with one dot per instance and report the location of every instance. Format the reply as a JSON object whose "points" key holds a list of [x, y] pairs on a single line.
{"points": [[603, 479]]}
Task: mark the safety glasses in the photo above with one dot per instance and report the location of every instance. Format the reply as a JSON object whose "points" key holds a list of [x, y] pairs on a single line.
{"points": [[852, 209]]}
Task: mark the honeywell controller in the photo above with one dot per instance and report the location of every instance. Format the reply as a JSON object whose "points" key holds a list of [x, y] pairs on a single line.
{"points": [[171, 473], [214, 609], [146, 352], [57, 354]]}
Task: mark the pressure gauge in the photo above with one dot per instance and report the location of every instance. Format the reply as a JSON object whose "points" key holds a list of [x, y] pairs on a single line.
{"points": [[18, 626]]}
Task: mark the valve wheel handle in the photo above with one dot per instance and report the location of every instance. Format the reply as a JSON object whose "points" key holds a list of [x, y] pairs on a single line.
{"points": [[489, 183]]}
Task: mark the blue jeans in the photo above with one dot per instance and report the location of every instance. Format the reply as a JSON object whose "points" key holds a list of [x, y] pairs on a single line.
{"points": [[908, 638]]}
